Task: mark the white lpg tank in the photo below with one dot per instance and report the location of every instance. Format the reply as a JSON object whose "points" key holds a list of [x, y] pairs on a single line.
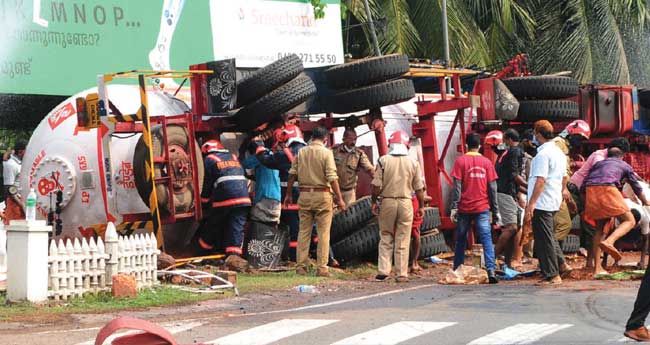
{"points": [[62, 156]]}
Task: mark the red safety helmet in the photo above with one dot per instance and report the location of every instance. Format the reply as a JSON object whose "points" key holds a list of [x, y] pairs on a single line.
{"points": [[399, 137], [211, 145], [287, 134], [579, 127], [494, 138]]}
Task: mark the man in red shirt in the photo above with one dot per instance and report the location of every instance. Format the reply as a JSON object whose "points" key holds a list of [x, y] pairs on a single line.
{"points": [[473, 198]]}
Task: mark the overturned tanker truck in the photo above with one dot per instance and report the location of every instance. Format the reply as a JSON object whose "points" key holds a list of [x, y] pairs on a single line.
{"points": [[109, 153]]}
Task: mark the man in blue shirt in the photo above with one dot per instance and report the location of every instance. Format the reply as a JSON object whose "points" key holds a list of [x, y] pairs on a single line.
{"points": [[266, 203], [547, 171], [288, 141]]}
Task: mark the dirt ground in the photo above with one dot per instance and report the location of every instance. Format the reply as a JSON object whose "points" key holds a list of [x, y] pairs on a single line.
{"points": [[356, 281], [577, 261]]}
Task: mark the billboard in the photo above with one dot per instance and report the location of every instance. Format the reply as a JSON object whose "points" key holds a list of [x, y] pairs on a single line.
{"points": [[57, 47], [278, 28]]}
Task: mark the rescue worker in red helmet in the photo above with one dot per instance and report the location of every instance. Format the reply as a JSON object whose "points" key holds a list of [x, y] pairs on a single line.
{"points": [[226, 203], [396, 178], [288, 140], [569, 139]]}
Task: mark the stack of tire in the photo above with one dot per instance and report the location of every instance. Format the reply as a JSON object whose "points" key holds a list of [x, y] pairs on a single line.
{"points": [[544, 97], [368, 84], [272, 91], [355, 233]]}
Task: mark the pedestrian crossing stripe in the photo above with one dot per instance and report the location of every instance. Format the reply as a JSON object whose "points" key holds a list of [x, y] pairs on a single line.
{"points": [[522, 333], [271, 332], [394, 333]]}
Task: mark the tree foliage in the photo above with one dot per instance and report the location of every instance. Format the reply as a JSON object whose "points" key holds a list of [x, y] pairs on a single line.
{"points": [[591, 38]]}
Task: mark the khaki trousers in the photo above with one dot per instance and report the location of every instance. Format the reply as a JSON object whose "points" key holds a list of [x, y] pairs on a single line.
{"points": [[349, 196], [395, 220], [314, 207], [562, 222]]}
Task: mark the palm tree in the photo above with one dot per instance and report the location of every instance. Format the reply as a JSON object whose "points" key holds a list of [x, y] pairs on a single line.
{"points": [[481, 32], [587, 37]]}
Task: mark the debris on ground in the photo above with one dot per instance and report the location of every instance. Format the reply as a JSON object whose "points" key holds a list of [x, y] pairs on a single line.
{"points": [[199, 281], [465, 275], [623, 275], [507, 273], [165, 261], [434, 260], [306, 289], [124, 285], [236, 263]]}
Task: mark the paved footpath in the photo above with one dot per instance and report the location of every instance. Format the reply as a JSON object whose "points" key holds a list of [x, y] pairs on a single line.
{"points": [[430, 314]]}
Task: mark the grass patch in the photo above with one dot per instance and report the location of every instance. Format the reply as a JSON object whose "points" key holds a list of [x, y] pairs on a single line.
{"points": [[102, 302], [357, 271], [247, 283], [165, 295]]}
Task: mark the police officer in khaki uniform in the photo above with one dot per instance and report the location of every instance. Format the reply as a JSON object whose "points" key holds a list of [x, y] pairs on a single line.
{"points": [[396, 178], [349, 160], [571, 137], [315, 171]]}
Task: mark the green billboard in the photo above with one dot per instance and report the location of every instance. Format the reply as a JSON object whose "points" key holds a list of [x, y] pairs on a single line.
{"points": [[53, 47]]}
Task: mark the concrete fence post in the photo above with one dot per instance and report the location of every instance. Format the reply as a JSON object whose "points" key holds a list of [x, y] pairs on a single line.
{"points": [[27, 256], [111, 242], [3, 252]]}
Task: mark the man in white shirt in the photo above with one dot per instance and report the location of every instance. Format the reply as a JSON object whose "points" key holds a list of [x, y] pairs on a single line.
{"points": [[11, 170], [547, 171], [10, 174], [641, 216]]}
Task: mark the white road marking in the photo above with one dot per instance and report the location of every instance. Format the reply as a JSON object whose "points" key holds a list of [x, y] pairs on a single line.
{"points": [[173, 328], [522, 333], [271, 332], [394, 333], [344, 301]]}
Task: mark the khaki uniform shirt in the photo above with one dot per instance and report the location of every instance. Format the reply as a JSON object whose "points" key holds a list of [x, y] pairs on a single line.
{"points": [[564, 146], [397, 176], [314, 166], [348, 164]]}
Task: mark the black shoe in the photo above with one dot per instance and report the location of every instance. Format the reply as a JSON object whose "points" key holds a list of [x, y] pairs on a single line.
{"points": [[492, 277], [381, 277]]}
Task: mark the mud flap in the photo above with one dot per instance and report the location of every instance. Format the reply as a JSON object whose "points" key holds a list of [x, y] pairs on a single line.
{"points": [[265, 245], [506, 105]]}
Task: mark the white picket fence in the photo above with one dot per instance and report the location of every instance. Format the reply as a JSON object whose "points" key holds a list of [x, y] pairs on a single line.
{"points": [[81, 266]]}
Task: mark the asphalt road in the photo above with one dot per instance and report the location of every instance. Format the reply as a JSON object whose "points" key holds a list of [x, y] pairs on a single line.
{"points": [[433, 314]]}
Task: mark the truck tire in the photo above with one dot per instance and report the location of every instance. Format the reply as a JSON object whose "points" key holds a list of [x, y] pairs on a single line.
{"points": [[542, 87], [431, 220], [369, 97], [267, 79], [571, 244], [275, 103], [354, 217], [358, 244], [547, 110], [432, 244], [367, 71], [179, 151]]}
